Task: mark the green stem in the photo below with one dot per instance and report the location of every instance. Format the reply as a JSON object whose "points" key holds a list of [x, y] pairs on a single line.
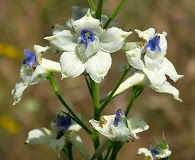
{"points": [[92, 5], [137, 90], [108, 152], [69, 149], [116, 147], [98, 13], [108, 99], [95, 98], [115, 12], [57, 92]]}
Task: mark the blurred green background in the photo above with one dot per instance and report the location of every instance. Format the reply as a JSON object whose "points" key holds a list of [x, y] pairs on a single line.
{"points": [[24, 23]]}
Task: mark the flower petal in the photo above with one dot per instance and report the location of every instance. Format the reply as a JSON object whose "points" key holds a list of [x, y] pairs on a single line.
{"points": [[136, 78], [87, 23], [145, 151], [98, 65], [63, 40], [75, 139], [38, 51], [71, 65], [134, 58], [104, 126], [156, 78], [18, 90], [168, 88], [136, 125], [38, 136], [169, 70], [56, 145], [38, 75], [112, 39], [121, 133], [147, 34]]}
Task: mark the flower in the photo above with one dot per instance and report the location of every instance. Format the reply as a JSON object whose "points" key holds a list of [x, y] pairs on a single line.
{"points": [[63, 129], [149, 57], [139, 78], [160, 151], [34, 70], [87, 47], [118, 128]]}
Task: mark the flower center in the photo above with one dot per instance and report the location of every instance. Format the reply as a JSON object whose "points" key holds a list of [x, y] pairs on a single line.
{"points": [[120, 118], [87, 37], [30, 59], [153, 44]]}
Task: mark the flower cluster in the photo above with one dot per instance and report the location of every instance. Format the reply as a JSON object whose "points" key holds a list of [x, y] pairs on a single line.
{"points": [[85, 45], [160, 151]]}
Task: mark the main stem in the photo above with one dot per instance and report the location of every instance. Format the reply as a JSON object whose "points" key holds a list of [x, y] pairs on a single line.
{"points": [[99, 10], [57, 92]]}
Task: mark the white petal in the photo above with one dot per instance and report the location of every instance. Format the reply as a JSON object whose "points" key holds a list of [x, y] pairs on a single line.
{"points": [[104, 126], [56, 145], [169, 70], [147, 34], [87, 23], [164, 153], [145, 151], [38, 136], [168, 88], [38, 75], [154, 60], [38, 51], [136, 125], [18, 90], [156, 78], [121, 133], [163, 43], [63, 40], [71, 65], [75, 139], [112, 39], [74, 127], [134, 58], [50, 66], [98, 65], [135, 79]]}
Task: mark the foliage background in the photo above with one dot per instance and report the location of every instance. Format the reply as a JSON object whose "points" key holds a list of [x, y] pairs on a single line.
{"points": [[24, 23]]}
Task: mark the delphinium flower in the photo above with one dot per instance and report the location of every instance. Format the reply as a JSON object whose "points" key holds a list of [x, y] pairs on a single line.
{"points": [[139, 78], [118, 128], [87, 47], [160, 151], [149, 57], [63, 130], [34, 70]]}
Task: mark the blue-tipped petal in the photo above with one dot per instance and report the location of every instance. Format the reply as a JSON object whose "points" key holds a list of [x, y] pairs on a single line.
{"points": [[87, 37], [30, 59], [119, 118], [154, 152], [153, 44], [63, 122]]}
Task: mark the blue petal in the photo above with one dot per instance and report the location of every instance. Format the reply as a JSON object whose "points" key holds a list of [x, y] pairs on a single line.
{"points": [[30, 59], [153, 44], [87, 36], [119, 118], [63, 122], [154, 151]]}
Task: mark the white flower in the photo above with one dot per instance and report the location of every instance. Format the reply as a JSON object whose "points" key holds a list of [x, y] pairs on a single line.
{"points": [[149, 56], [88, 47], [160, 151], [64, 129], [118, 127], [139, 78], [34, 70]]}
